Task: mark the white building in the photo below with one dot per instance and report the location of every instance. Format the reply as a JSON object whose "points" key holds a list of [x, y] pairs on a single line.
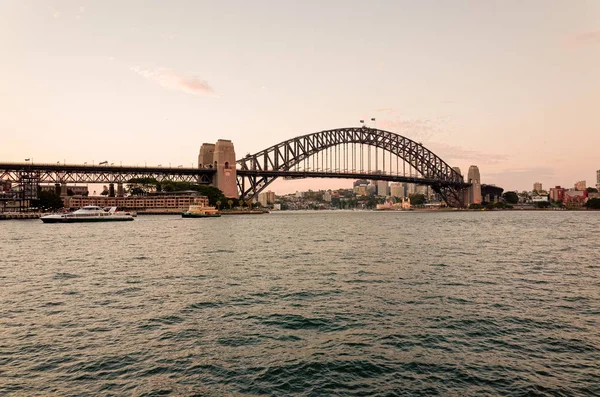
{"points": [[397, 190], [382, 188]]}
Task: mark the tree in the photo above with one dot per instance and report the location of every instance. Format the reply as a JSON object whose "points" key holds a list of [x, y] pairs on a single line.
{"points": [[104, 191], [212, 193], [511, 197], [543, 204], [417, 199], [218, 203], [593, 204], [230, 203], [592, 190], [241, 202], [48, 201]]}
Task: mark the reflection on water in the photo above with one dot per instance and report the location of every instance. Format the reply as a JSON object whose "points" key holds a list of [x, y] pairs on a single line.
{"points": [[346, 303]]}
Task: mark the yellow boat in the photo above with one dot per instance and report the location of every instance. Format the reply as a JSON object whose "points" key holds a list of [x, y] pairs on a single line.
{"points": [[201, 209]]}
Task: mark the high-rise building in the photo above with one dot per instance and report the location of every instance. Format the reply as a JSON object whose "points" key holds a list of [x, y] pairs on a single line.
{"points": [[266, 198], [382, 188], [598, 179], [474, 191], [557, 193], [537, 186], [397, 190], [580, 185]]}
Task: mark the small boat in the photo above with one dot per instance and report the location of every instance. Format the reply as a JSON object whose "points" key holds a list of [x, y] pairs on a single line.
{"points": [[90, 213], [201, 209]]}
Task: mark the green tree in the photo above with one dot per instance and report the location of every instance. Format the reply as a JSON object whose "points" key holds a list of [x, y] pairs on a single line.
{"points": [[230, 203], [417, 199], [593, 204], [218, 203], [241, 203], [543, 204], [48, 201], [511, 197], [592, 190]]}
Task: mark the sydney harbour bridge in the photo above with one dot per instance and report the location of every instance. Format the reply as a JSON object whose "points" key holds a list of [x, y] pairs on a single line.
{"points": [[354, 153]]}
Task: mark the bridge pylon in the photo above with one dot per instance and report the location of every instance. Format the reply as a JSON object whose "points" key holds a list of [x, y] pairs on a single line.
{"points": [[221, 157]]}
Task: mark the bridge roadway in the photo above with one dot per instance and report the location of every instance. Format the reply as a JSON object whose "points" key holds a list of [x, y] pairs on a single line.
{"points": [[342, 174], [83, 173]]}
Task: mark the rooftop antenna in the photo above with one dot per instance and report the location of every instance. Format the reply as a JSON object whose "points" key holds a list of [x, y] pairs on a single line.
{"points": [[363, 123], [374, 124]]}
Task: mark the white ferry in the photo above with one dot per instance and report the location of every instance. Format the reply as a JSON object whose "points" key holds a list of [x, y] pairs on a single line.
{"points": [[90, 213]]}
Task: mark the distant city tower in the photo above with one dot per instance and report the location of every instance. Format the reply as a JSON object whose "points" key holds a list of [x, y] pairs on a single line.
{"points": [[537, 186]]}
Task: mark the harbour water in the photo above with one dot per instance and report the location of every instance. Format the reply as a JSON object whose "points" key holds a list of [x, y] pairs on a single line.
{"points": [[307, 304]]}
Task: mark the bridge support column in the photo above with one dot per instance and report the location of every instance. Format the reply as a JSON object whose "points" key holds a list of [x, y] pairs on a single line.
{"points": [[57, 189], [111, 190], [225, 163], [120, 190]]}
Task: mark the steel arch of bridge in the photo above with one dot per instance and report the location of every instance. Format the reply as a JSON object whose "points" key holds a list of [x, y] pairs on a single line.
{"points": [[256, 172]]}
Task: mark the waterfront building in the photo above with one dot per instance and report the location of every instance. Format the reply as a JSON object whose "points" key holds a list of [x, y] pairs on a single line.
{"points": [[598, 179], [299, 194], [382, 188], [575, 198], [157, 201], [397, 190], [557, 193], [360, 190], [474, 191], [580, 185], [327, 196], [410, 188], [266, 198], [537, 186]]}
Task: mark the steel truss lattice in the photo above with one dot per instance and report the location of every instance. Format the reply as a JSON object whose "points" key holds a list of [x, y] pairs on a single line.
{"points": [[288, 159]]}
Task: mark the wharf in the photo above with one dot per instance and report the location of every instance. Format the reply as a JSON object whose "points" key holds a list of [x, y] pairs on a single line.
{"points": [[19, 215], [253, 212]]}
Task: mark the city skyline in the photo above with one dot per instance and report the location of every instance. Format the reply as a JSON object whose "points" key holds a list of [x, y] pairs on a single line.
{"points": [[148, 83]]}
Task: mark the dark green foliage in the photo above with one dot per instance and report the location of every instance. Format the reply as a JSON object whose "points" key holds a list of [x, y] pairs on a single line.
{"points": [[593, 204], [214, 194], [543, 204], [592, 190], [47, 201], [417, 199], [511, 197]]}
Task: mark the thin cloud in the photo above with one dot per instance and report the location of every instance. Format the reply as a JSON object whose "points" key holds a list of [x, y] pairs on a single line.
{"points": [[175, 81], [456, 153], [583, 39]]}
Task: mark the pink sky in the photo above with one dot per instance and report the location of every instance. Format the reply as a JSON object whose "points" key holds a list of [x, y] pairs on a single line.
{"points": [[510, 86]]}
